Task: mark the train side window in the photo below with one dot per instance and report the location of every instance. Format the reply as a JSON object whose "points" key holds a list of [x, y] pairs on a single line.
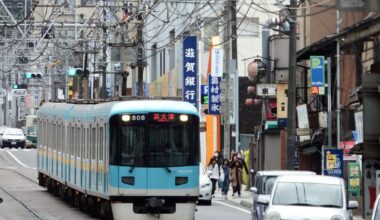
{"points": [[101, 144], [72, 140], [77, 147], [93, 143]]}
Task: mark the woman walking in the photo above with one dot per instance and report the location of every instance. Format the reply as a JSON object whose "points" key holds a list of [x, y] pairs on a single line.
{"points": [[226, 178], [236, 176], [213, 168]]}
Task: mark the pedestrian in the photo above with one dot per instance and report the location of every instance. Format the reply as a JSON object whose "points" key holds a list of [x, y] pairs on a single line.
{"points": [[236, 177], [219, 160], [226, 177], [214, 168]]}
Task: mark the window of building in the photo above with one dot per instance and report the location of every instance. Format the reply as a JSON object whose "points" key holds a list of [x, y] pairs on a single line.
{"points": [[162, 62], [153, 69], [172, 50]]}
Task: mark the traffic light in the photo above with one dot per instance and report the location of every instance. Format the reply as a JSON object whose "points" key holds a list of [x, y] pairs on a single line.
{"points": [[71, 72], [19, 86], [33, 75], [77, 72], [70, 92]]}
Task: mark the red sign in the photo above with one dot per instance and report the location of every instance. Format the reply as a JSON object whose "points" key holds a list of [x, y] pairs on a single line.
{"points": [[163, 117], [346, 146], [315, 90]]}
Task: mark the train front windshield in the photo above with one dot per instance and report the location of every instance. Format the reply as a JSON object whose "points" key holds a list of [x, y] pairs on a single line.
{"points": [[154, 140]]}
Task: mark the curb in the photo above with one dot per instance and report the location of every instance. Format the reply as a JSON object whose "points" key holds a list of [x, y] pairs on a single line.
{"points": [[246, 204]]}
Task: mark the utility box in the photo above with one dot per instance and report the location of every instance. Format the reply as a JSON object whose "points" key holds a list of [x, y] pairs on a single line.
{"points": [[279, 53]]}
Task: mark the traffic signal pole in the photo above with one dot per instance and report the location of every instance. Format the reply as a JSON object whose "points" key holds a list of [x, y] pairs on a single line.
{"points": [[291, 138]]}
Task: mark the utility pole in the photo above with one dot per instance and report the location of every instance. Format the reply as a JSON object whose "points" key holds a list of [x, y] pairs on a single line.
{"points": [[85, 77], [337, 79], [104, 64], [234, 59], [290, 150], [231, 55], [140, 53], [226, 109]]}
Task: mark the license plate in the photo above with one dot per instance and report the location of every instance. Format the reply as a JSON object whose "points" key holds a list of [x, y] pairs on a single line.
{"points": [[13, 142]]}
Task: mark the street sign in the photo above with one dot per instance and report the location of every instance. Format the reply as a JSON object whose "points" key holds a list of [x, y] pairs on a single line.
{"points": [[19, 92], [204, 94], [267, 90], [3, 93], [303, 131], [217, 62], [333, 162]]}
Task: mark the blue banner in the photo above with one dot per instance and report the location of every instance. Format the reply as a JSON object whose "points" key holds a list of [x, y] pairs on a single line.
{"points": [[214, 92], [333, 162], [190, 69], [317, 67]]}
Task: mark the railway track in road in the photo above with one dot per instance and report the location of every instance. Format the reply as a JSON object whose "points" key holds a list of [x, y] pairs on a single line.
{"points": [[18, 200]]}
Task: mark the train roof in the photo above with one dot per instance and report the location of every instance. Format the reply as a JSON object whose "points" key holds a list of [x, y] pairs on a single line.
{"points": [[86, 110]]}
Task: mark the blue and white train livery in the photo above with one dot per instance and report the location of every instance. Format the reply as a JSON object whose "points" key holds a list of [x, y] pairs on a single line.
{"points": [[131, 159]]}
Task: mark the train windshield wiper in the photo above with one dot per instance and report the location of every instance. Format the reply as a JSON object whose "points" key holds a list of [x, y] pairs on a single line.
{"points": [[132, 168], [331, 206], [301, 204], [168, 169]]}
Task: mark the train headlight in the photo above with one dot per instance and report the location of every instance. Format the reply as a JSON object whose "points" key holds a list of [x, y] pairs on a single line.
{"points": [[184, 118], [126, 118]]}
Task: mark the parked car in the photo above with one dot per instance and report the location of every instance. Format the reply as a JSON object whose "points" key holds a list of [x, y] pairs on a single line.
{"points": [[13, 137], [205, 187], [263, 184], [308, 197], [2, 128], [376, 209]]}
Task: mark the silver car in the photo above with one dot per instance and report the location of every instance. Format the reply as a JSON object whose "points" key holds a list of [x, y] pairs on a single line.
{"points": [[205, 187], [263, 184], [308, 197]]}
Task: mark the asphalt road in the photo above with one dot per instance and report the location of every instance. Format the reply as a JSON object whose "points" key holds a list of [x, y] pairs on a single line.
{"points": [[25, 199]]}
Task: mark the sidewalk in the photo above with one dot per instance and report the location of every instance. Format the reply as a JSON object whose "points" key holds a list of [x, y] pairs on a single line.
{"points": [[246, 199]]}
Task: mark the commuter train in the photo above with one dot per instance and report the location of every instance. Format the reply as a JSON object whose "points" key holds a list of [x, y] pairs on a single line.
{"points": [[127, 159]]}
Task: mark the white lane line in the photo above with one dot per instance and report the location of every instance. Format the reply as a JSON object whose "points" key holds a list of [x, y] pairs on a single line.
{"points": [[234, 207], [17, 160]]}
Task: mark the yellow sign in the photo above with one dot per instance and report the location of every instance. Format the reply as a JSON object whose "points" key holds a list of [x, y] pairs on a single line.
{"points": [[282, 100], [354, 182], [331, 161]]}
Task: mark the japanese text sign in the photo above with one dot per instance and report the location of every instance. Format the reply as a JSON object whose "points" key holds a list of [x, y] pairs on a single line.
{"points": [[266, 90], [214, 92], [317, 64], [190, 69]]}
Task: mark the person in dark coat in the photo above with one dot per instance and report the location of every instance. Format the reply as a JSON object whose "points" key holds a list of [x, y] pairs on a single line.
{"points": [[219, 160], [226, 176]]}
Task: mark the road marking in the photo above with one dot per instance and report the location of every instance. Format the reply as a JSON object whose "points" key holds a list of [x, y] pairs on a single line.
{"points": [[234, 207], [17, 160]]}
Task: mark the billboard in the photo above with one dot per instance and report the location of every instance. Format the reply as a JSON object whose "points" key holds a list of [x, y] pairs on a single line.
{"points": [[190, 69], [333, 162]]}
